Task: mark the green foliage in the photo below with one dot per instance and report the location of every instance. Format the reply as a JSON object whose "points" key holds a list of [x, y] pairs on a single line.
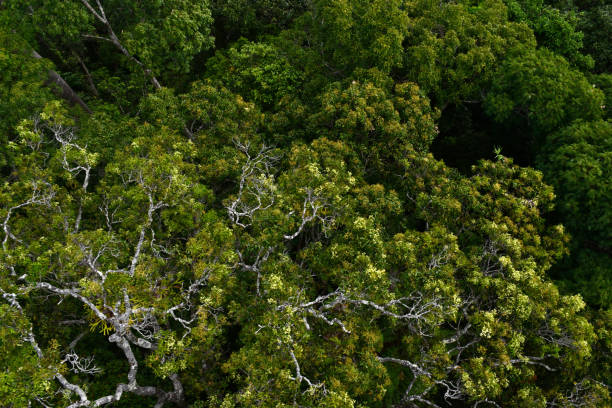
{"points": [[544, 90], [60, 22], [604, 82], [257, 71], [578, 162], [242, 17], [579, 165], [21, 87], [261, 222], [340, 36], [381, 121], [451, 51], [555, 29], [107, 51], [167, 35], [23, 376], [596, 23]]}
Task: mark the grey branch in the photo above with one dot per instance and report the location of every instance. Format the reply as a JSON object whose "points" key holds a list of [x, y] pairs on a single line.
{"points": [[256, 186], [556, 336], [29, 337], [311, 211], [153, 206], [255, 266], [79, 364], [582, 395], [413, 309], [75, 293], [452, 389], [66, 92], [187, 304], [65, 136], [533, 361], [100, 15], [123, 323], [298, 372]]}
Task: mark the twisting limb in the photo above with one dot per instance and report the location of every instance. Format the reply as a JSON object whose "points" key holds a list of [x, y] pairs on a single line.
{"points": [[299, 377], [452, 389], [486, 401], [287, 342], [78, 338], [255, 189], [90, 81], [157, 250], [490, 264], [311, 210], [533, 361], [317, 309], [175, 396], [79, 364], [558, 337], [123, 323], [11, 298], [187, 304], [256, 265], [424, 369], [41, 401], [131, 324], [462, 339], [416, 369], [109, 216], [65, 136], [582, 395], [38, 197], [75, 293], [439, 259], [412, 309], [153, 206], [91, 257], [100, 15], [462, 330]]}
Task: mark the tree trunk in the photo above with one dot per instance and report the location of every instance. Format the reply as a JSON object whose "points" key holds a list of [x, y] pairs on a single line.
{"points": [[63, 90]]}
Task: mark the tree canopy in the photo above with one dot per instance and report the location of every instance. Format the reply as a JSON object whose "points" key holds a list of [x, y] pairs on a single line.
{"points": [[336, 204]]}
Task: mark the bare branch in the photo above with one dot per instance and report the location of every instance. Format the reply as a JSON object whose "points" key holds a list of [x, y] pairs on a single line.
{"points": [[256, 186], [74, 292], [186, 305], [583, 394], [311, 210], [298, 373], [256, 265], [412, 309], [452, 389], [29, 337], [556, 336], [79, 364], [66, 92], [533, 361], [100, 15]]}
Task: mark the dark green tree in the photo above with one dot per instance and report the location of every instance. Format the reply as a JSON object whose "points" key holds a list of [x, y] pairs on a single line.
{"points": [[578, 162]]}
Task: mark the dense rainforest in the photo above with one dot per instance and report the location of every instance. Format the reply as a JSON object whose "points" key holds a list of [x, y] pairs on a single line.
{"points": [[305, 203]]}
